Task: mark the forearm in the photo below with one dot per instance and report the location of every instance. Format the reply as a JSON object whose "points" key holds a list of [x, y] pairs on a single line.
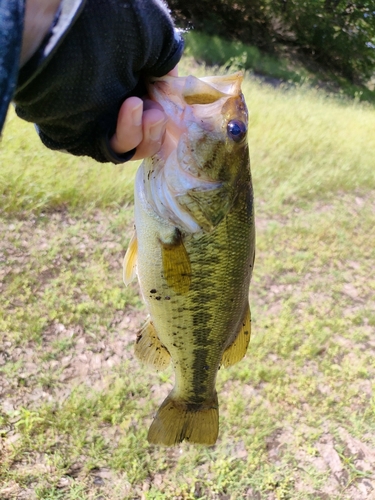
{"points": [[39, 15], [11, 27]]}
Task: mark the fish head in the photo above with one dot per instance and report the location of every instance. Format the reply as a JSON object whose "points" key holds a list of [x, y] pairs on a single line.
{"points": [[207, 124], [203, 163]]}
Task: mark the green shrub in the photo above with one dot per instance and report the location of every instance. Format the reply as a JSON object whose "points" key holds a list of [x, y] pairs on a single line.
{"points": [[244, 20], [216, 51], [339, 34]]}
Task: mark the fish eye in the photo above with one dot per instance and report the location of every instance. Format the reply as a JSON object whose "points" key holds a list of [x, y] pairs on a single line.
{"points": [[236, 130]]}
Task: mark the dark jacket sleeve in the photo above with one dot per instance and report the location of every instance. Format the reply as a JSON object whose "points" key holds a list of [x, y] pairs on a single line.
{"points": [[11, 27], [73, 91]]}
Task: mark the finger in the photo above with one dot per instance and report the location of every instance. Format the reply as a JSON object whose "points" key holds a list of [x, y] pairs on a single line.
{"points": [[174, 71], [129, 130], [149, 104], [154, 123]]}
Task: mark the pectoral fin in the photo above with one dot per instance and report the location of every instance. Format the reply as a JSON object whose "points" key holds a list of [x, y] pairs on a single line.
{"points": [[130, 260], [208, 207], [149, 349], [176, 265], [237, 350]]}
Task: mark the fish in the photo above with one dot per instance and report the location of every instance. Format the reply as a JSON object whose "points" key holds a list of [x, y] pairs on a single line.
{"points": [[193, 249]]}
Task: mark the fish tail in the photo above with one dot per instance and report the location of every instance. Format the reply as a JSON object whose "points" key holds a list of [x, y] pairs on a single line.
{"points": [[177, 420]]}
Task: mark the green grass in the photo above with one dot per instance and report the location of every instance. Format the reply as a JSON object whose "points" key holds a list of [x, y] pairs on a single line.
{"points": [[216, 51], [285, 66], [297, 415], [303, 144], [306, 146], [35, 178]]}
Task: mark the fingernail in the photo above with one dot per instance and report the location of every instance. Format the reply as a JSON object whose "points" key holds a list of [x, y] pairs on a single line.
{"points": [[137, 115], [157, 130]]}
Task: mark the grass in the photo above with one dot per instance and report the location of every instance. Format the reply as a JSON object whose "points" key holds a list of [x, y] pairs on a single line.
{"points": [[297, 415], [307, 146], [303, 144], [283, 66], [35, 178], [216, 51]]}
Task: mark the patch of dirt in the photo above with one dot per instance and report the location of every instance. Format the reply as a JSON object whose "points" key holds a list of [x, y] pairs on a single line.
{"points": [[86, 358], [90, 357], [330, 463]]}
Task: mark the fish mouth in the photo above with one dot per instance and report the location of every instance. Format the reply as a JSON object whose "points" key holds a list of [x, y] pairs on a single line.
{"points": [[193, 90], [212, 88], [189, 99]]}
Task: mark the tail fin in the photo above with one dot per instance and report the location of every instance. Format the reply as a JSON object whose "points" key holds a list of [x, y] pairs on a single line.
{"points": [[177, 421]]}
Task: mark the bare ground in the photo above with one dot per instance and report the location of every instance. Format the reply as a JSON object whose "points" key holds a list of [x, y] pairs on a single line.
{"points": [[91, 358]]}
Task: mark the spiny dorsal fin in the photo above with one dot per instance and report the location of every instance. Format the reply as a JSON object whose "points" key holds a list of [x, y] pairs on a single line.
{"points": [[237, 350], [176, 265], [149, 349], [130, 260]]}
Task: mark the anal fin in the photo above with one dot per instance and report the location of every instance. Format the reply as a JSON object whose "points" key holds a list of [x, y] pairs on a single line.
{"points": [[237, 350], [130, 260], [149, 349]]}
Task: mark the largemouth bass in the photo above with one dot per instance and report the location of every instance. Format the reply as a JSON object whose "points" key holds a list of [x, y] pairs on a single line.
{"points": [[193, 250]]}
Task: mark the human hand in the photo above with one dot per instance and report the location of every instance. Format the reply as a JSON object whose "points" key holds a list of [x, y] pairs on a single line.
{"points": [[141, 125]]}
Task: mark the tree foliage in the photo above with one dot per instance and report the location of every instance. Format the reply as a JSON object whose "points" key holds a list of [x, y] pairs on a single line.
{"points": [[340, 34], [248, 21]]}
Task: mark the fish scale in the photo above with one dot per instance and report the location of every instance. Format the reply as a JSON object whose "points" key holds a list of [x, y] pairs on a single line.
{"points": [[195, 282]]}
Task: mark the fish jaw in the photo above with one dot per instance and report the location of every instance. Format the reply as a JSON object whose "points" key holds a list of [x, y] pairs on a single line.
{"points": [[174, 92], [157, 197]]}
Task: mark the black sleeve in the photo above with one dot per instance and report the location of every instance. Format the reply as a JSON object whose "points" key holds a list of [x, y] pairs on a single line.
{"points": [[73, 91], [11, 28]]}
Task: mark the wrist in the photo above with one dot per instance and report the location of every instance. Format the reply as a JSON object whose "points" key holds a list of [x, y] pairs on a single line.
{"points": [[39, 17]]}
